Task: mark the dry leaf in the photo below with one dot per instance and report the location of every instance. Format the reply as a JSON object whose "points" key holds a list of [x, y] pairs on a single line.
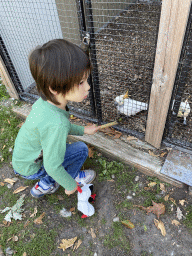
{"points": [[26, 223], [157, 209], [131, 138], [35, 212], [76, 246], [8, 121], [172, 200], [72, 209], [159, 224], [66, 243], [128, 224], [2, 159], [163, 154], [152, 184], [2, 130], [24, 254], [2, 184], [93, 234], [179, 213], [39, 219], [91, 152], [60, 197], [15, 238], [19, 189], [3, 147], [162, 187], [111, 180], [182, 202], [117, 136], [166, 197], [10, 181], [19, 125], [152, 154], [176, 222]]}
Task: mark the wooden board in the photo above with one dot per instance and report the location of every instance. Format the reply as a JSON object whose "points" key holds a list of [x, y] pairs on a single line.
{"points": [[174, 17], [178, 165], [7, 81]]}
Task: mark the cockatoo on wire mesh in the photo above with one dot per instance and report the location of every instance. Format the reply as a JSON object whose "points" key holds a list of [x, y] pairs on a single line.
{"points": [[129, 107], [184, 110]]}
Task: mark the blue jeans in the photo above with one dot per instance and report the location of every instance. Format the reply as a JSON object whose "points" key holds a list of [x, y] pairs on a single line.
{"points": [[75, 156]]}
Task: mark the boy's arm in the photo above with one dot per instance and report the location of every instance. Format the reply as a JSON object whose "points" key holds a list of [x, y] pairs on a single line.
{"points": [[80, 130], [53, 142]]}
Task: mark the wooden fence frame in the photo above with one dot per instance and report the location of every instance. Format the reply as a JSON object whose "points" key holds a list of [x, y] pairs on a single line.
{"points": [[173, 22]]}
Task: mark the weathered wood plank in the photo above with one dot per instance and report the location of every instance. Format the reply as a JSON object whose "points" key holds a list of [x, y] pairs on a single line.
{"points": [[121, 151], [7, 81], [174, 17]]}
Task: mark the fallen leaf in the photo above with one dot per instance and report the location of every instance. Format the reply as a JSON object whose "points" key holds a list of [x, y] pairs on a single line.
{"points": [[2, 130], [90, 151], [159, 224], [147, 188], [3, 147], [176, 222], [152, 184], [15, 238], [152, 154], [35, 212], [117, 136], [19, 189], [131, 138], [19, 125], [72, 209], [93, 234], [128, 224], [179, 213], [166, 197], [2, 159], [2, 184], [163, 154], [76, 246], [66, 243], [172, 200], [26, 223], [24, 254], [60, 197], [111, 180], [8, 121], [10, 181], [157, 208], [162, 187], [39, 219], [182, 202]]}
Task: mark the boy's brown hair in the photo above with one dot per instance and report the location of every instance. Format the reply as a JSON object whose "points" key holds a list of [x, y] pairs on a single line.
{"points": [[58, 64]]}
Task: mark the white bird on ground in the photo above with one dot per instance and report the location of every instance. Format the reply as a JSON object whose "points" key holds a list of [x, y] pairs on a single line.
{"points": [[128, 106], [184, 110]]}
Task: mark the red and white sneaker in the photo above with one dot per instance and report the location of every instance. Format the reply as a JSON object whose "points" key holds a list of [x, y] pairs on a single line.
{"points": [[37, 191]]}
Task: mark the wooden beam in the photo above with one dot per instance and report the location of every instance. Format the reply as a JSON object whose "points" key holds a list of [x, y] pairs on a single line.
{"points": [[7, 81], [174, 17]]}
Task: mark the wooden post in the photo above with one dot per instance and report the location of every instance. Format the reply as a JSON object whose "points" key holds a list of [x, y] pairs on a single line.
{"points": [[7, 81], [174, 17]]}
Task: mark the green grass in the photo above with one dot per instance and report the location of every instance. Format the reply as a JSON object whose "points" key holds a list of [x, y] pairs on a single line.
{"points": [[8, 133], [188, 220], [3, 92], [117, 238]]}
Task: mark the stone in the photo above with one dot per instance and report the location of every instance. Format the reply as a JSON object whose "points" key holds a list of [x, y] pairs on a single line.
{"points": [[116, 219]]}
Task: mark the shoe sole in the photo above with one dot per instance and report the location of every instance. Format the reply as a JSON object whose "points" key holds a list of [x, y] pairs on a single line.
{"points": [[44, 194], [90, 180]]}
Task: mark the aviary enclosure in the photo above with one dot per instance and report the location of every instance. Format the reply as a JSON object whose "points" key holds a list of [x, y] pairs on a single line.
{"points": [[121, 37]]}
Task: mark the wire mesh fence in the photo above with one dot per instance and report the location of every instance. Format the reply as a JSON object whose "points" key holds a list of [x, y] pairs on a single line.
{"points": [[122, 38], [179, 121]]}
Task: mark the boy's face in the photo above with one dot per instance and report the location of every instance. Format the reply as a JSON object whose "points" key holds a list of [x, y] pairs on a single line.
{"points": [[79, 92]]}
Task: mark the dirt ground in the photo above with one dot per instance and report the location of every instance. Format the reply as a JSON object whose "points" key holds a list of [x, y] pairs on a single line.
{"points": [[112, 238]]}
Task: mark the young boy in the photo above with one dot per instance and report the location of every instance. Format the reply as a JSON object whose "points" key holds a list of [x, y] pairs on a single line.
{"points": [[60, 70]]}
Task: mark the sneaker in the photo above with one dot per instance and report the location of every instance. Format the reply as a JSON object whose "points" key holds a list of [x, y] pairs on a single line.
{"points": [[37, 191], [86, 176]]}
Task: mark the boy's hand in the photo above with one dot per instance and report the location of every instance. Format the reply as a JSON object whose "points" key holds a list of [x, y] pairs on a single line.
{"points": [[92, 129], [70, 192]]}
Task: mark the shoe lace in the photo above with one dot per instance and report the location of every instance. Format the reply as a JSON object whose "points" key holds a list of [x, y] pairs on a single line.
{"points": [[81, 174]]}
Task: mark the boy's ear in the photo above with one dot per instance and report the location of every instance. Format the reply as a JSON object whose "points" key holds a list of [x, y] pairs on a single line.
{"points": [[52, 91]]}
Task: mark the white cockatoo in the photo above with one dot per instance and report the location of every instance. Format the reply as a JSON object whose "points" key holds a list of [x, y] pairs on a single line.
{"points": [[184, 110], [129, 107]]}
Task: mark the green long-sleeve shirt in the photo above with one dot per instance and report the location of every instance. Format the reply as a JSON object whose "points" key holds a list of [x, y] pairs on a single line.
{"points": [[46, 128]]}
